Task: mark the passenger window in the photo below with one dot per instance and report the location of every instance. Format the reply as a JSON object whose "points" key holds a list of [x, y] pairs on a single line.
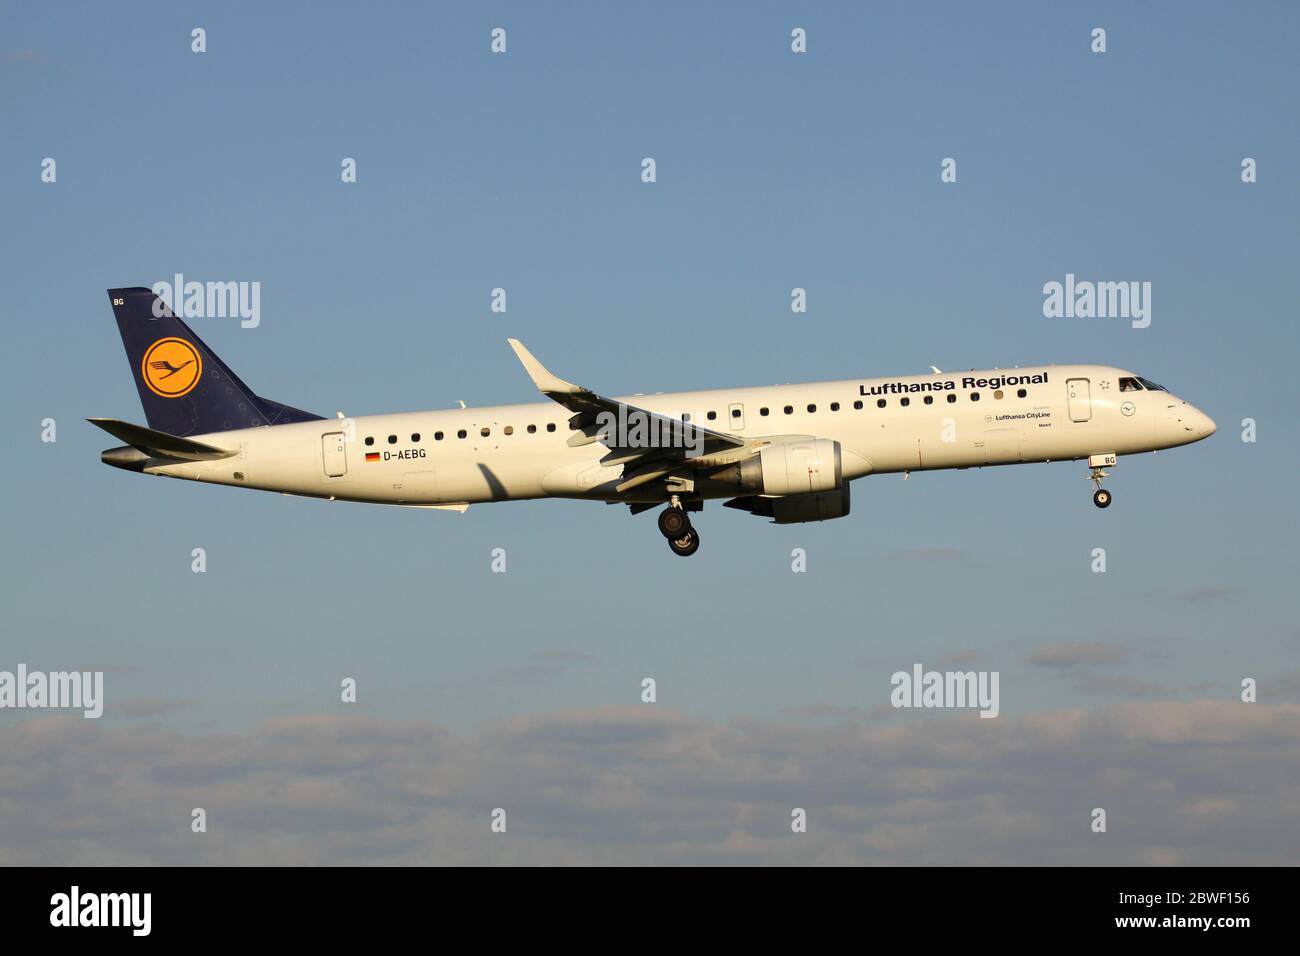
{"points": [[858, 405], [789, 409], [370, 439], [510, 429], [462, 433], [1021, 393], [880, 403], [763, 412], [712, 415], [686, 416], [532, 429], [974, 396], [929, 399], [392, 439], [437, 436], [835, 406], [485, 431], [811, 409], [415, 436], [550, 427], [952, 399], [998, 394], [905, 401]]}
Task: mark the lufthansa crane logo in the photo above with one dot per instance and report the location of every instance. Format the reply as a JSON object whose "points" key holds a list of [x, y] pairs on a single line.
{"points": [[171, 367]]}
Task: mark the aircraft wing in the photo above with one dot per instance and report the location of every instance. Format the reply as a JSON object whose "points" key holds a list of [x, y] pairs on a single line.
{"points": [[694, 445]]}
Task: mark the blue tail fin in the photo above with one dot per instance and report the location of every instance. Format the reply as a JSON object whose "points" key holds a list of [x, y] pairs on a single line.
{"points": [[184, 387]]}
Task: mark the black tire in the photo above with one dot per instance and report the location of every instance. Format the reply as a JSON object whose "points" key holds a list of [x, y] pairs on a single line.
{"points": [[674, 523], [686, 546], [1101, 498]]}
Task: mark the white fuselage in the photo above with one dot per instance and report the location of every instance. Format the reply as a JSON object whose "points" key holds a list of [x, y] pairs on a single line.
{"points": [[513, 452]]}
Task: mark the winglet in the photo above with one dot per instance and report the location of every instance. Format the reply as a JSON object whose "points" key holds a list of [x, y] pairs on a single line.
{"points": [[546, 382]]}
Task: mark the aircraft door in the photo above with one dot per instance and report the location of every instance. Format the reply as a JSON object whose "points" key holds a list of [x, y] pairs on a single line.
{"points": [[1080, 399], [334, 454]]}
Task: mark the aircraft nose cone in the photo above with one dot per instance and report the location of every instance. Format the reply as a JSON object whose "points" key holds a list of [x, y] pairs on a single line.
{"points": [[1205, 426], [1189, 424]]}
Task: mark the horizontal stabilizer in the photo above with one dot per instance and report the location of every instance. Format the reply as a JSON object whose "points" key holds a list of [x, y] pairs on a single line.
{"points": [[160, 444]]}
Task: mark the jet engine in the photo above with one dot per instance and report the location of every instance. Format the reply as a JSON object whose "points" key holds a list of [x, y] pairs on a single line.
{"points": [[799, 467]]}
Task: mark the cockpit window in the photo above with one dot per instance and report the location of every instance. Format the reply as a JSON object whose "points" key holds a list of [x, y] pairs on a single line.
{"points": [[1129, 385], [1150, 385]]}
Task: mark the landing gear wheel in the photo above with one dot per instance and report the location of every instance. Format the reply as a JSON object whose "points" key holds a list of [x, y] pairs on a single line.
{"points": [[686, 546], [1100, 496], [674, 523]]}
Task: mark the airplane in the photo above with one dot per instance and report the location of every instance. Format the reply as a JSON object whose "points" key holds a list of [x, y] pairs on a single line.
{"points": [[785, 452]]}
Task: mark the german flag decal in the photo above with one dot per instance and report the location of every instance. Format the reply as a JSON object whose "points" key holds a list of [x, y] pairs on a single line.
{"points": [[372, 456]]}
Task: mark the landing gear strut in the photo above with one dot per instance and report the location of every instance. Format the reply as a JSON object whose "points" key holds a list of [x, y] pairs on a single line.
{"points": [[675, 525], [1100, 496]]}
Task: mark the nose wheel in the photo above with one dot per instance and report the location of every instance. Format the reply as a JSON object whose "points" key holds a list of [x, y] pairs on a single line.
{"points": [[1100, 496]]}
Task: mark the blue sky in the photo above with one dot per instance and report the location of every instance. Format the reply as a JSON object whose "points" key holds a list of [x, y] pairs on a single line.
{"points": [[775, 170]]}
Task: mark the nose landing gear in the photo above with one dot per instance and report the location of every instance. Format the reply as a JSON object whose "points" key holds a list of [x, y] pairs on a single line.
{"points": [[1100, 496]]}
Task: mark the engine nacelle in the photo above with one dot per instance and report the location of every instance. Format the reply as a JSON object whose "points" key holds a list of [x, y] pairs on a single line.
{"points": [[796, 509], [821, 506], [802, 467]]}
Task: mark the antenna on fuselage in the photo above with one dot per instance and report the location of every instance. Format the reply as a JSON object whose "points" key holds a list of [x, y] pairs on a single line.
{"points": [[462, 404], [935, 370]]}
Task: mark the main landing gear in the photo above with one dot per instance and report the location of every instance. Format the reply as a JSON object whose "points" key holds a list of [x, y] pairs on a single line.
{"points": [[675, 525], [687, 545], [673, 522]]}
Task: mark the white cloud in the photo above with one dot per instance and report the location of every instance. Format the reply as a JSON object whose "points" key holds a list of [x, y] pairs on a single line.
{"points": [[1206, 782], [1077, 654]]}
